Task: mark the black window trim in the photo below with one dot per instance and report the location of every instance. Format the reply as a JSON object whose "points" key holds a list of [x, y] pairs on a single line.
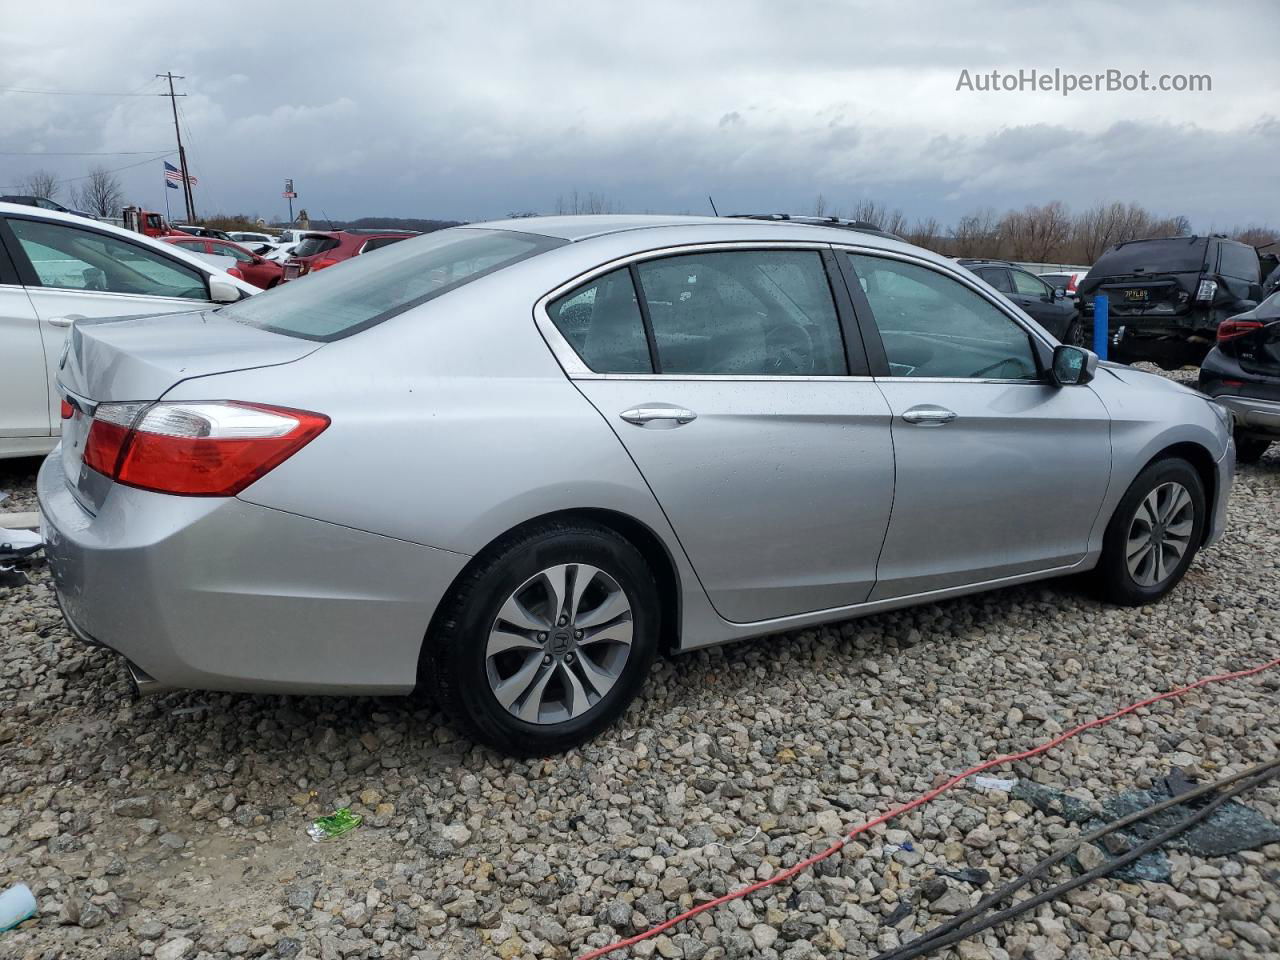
{"points": [[576, 368], [1041, 348], [9, 274], [28, 276]]}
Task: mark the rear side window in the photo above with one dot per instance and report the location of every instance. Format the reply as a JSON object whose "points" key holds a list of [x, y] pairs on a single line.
{"points": [[998, 277], [332, 304], [73, 259], [1239, 262], [602, 323], [310, 246]]}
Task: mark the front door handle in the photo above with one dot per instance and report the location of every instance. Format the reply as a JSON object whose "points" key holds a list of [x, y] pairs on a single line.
{"points": [[62, 321], [928, 415], [658, 413]]}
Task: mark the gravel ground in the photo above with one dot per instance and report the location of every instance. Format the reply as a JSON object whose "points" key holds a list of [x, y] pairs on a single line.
{"points": [[174, 827]]}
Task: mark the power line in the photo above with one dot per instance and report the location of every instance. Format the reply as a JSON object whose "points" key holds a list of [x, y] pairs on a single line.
{"points": [[63, 153], [127, 166], [73, 93]]}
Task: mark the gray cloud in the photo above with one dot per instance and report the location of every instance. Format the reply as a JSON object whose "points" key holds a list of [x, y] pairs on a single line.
{"points": [[470, 111]]}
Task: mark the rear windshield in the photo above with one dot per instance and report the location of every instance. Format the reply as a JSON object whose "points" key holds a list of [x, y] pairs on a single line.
{"points": [[376, 243], [332, 304], [310, 246], [1171, 255]]}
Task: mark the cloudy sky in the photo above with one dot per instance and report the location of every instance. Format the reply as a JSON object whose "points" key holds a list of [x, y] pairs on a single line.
{"points": [[471, 110]]}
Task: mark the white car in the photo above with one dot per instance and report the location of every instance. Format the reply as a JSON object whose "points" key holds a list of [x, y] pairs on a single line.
{"points": [[246, 238], [57, 268], [281, 253]]}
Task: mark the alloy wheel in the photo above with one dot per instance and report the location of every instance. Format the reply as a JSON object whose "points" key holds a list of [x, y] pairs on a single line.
{"points": [[1160, 534], [559, 643]]}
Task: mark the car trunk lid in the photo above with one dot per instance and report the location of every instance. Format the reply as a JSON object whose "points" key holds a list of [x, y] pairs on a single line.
{"points": [[138, 359], [1141, 295]]}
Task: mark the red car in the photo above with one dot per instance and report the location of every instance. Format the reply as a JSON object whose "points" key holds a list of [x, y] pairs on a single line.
{"points": [[250, 267], [323, 248]]}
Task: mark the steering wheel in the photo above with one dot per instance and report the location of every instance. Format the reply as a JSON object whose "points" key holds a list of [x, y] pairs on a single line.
{"points": [[790, 350]]}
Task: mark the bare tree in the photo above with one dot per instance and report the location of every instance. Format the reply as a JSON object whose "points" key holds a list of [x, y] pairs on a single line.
{"points": [[820, 207], [593, 203], [974, 235], [925, 233], [101, 193], [1255, 236], [41, 183], [1034, 234]]}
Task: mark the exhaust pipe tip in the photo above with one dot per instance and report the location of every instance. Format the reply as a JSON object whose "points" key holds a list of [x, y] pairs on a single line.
{"points": [[145, 684]]}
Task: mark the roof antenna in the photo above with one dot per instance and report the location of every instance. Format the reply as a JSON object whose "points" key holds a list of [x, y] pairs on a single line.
{"points": [[713, 205]]}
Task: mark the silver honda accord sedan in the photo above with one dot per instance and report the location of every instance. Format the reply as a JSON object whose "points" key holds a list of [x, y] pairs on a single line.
{"points": [[512, 462]]}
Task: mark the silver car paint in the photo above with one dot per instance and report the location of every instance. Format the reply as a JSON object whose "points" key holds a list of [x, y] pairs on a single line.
{"points": [[454, 422]]}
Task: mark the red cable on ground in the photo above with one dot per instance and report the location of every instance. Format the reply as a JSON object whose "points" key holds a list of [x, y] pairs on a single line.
{"points": [[920, 801]]}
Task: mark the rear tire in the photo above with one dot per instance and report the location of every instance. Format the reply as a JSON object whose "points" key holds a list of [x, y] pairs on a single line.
{"points": [[1153, 535], [503, 658], [1251, 449], [1075, 334]]}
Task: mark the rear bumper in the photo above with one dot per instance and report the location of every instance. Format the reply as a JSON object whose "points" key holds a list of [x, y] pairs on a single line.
{"points": [[1260, 416], [226, 595]]}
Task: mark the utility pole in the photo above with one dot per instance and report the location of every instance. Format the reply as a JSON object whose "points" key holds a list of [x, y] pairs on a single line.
{"points": [[182, 153]]}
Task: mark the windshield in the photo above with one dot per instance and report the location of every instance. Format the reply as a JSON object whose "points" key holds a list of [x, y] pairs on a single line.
{"points": [[332, 304], [1170, 255]]}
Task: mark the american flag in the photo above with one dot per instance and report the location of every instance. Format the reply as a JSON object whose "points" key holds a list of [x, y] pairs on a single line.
{"points": [[173, 176]]}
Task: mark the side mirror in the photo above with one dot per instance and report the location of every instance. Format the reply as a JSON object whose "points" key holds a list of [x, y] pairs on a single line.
{"points": [[222, 291], [1059, 293], [1073, 366]]}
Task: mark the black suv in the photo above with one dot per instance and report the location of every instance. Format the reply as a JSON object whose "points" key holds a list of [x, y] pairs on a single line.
{"points": [[44, 203], [1048, 306], [1167, 296]]}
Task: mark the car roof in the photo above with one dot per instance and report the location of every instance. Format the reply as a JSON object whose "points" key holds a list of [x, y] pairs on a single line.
{"points": [[173, 249], [662, 228]]}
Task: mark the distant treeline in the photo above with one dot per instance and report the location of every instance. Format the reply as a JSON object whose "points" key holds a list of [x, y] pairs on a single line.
{"points": [[1050, 233]]}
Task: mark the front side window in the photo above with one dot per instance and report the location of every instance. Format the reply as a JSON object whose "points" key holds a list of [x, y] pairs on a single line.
{"points": [[934, 326], [1028, 285], [603, 324], [73, 259], [744, 313]]}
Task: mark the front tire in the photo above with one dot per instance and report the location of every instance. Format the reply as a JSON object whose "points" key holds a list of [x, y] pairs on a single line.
{"points": [[1154, 534], [546, 640]]}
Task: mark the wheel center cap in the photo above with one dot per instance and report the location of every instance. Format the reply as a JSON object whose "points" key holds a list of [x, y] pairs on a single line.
{"points": [[561, 642]]}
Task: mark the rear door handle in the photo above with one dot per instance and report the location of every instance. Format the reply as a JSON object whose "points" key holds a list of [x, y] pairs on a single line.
{"points": [[665, 414], [928, 415]]}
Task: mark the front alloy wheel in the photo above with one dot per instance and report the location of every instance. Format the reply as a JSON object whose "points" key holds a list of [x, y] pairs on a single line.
{"points": [[1154, 534], [1160, 534]]}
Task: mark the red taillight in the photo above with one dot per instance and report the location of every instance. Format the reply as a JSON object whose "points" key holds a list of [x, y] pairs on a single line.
{"points": [[199, 449], [67, 409], [1071, 284], [235, 272], [324, 262], [1230, 329]]}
